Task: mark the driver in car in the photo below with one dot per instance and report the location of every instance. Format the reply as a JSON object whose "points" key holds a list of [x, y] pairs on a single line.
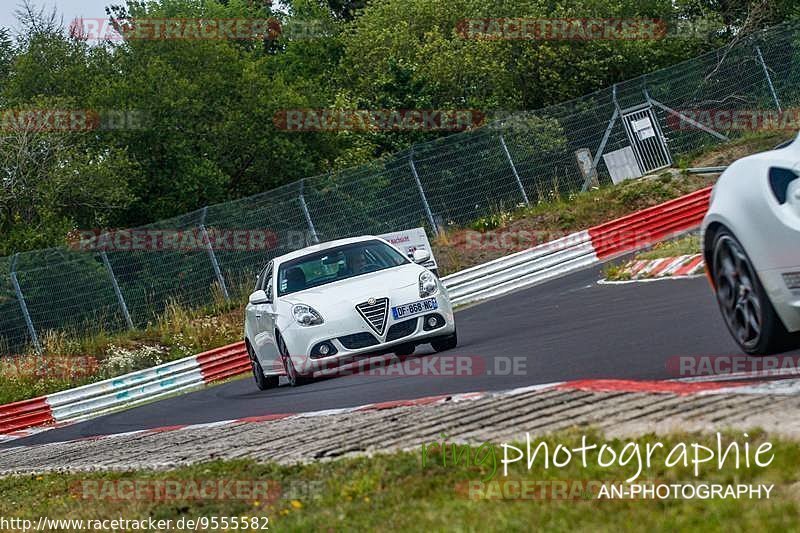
{"points": [[354, 263]]}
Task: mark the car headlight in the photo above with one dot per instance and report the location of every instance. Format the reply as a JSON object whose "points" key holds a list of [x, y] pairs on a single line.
{"points": [[306, 315], [427, 284]]}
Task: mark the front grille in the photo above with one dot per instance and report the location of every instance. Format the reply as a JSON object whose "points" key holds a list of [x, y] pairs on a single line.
{"points": [[402, 329], [375, 314], [358, 340]]}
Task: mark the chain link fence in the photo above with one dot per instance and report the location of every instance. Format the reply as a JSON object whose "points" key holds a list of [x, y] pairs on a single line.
{"points": [[522, 158]]}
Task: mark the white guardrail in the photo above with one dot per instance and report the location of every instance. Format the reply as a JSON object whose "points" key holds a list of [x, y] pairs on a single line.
{"points": [[522, 269], [129, 390]]}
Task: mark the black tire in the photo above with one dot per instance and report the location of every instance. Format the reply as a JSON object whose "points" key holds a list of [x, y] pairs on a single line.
{"points": [[262, 382], [404, 350], [295, 378], [745, 307], [445, 343]]}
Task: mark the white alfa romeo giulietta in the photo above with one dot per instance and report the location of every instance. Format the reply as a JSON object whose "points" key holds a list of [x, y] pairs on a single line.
{"points": [[325, 305]]}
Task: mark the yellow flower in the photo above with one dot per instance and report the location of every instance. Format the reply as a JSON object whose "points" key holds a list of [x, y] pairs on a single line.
{"points": [[296, 504]]}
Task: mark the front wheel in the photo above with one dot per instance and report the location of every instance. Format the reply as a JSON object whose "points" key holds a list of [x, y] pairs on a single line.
{"points": [[445, 343], [748, 313], [262, 382], [295, 378]]}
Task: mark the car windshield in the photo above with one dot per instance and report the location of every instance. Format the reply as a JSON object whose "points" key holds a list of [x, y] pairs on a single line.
{"points": [[336, 264]]}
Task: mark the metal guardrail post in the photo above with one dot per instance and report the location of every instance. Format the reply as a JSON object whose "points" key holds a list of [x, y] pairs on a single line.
{"points": [[212, 256], [422, 192], [769, 79], [117, 291], [23, 306], [514, 169], [306, 213]]}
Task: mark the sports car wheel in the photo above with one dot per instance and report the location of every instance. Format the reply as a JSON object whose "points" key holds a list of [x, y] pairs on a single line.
{"points": [[747, 311], [445, 343], [295, 378], [262, 382]]}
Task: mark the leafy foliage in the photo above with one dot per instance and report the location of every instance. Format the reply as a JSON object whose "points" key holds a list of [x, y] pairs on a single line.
{"points": [[206, 134]]}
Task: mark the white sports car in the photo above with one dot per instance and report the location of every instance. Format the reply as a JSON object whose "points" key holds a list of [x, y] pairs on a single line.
{"points": [[323, 305], [752, 249]]}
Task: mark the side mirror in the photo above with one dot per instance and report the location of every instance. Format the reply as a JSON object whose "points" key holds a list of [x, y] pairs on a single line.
{"points": [[259, 297], [421, 256]]}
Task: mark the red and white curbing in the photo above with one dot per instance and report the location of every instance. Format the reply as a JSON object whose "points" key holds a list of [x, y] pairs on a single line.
{"points": [[739, 383], [681, 267], [578, 250], [124, 391]]}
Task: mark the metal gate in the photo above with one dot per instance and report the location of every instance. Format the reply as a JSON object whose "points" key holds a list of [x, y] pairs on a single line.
{"points": [[648, 143]]}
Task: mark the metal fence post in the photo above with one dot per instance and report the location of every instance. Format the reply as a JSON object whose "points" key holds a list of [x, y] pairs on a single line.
{"points": [[304, 206], [422, 192], [23, 306], [118, 292], [514, 169], [769, 79], [606, 135], [212, 256]]}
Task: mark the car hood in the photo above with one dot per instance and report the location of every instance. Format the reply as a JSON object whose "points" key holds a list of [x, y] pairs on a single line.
{"points": [[356, 290]]}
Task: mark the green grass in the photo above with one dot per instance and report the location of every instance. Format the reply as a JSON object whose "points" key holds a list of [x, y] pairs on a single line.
{"points": [[616, 271], [552, 219], [749, 142], [395, 492], [686, 245]]}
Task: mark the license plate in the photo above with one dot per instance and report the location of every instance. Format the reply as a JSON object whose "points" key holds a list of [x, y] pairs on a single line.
{"points": [[414, 308]]}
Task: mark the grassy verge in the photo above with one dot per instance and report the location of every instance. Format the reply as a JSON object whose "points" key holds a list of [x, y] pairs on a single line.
{"points": [[396, 493], [459, 249], [725, 154], [686, 245], [68, 361]]}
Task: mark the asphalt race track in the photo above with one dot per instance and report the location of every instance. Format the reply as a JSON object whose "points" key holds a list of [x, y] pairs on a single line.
{"points": [[571, 328]]}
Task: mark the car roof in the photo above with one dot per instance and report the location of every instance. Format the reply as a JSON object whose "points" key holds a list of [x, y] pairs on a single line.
{"points": [[321, 247]]}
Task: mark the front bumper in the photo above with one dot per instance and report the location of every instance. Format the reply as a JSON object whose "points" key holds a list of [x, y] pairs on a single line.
{"points": [[300, 341]]}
